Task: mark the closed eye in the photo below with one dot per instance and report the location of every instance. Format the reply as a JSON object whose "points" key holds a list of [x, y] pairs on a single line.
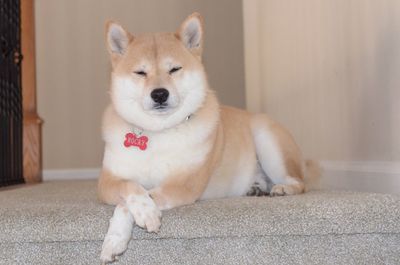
{"points": [[175, 69], [142, 73]]}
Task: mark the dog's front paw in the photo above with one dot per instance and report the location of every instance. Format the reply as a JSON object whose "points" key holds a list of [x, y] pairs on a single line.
{"points": [[145, 212], [118, 235], [113, 246]]}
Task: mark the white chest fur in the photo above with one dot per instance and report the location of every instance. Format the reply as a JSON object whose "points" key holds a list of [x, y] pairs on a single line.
{"points": [[167, 153]]}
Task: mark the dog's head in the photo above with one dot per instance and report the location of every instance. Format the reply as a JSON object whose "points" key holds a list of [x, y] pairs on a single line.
{"points": [[157, 79]]}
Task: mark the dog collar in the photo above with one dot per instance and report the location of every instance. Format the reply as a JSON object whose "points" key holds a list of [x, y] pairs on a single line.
{"points": [[136, 139]]}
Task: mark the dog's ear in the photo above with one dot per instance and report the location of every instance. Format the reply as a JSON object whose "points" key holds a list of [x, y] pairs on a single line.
{"points": [[191, 33], [117, 39]]}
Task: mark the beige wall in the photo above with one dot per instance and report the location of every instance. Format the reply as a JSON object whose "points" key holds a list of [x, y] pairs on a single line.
{"points": [[73, 68], [330, 72]]}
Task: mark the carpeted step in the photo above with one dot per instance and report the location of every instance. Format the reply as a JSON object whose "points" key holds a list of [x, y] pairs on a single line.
{"points": [[62, 223]]}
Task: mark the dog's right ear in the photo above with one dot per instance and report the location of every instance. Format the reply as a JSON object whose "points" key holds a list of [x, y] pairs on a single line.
{"points": [[117, 39]]}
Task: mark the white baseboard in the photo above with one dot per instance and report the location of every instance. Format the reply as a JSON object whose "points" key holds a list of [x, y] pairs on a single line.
{"points": [[372, 176], [75, 173]]}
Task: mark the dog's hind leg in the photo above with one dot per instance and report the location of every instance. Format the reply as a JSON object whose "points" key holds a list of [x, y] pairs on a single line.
{"points": [[261, 186], [279, 156]]}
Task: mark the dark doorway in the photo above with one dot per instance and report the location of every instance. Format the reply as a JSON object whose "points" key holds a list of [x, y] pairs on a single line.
{"points": [[11, 163]]}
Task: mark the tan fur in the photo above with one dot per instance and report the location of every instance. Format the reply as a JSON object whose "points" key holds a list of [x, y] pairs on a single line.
{"points": [[291, 152], [232, 136], [313, 171], [151, 47], [114, 190], [197, 148]]}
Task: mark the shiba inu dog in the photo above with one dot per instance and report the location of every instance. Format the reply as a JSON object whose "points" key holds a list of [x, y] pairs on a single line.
{"points": [[168, 142]]}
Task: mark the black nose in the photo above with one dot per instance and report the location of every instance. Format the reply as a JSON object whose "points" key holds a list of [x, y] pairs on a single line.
{"points": [[159, 95]]}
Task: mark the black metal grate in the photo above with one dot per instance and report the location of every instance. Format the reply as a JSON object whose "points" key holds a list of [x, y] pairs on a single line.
{"points": [[11, 170]]}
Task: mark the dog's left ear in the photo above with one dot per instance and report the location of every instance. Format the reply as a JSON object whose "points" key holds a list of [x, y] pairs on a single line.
{"points": [[191, 34]]}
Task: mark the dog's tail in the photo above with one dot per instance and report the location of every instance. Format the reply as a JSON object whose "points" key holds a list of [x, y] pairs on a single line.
{"points": [[313, 174]]}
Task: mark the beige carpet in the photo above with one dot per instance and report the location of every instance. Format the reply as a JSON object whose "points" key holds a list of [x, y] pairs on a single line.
{"points": [[62, 223]]}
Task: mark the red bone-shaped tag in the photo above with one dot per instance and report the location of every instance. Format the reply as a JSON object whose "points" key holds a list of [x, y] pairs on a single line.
{"points": [[132, 140]]}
